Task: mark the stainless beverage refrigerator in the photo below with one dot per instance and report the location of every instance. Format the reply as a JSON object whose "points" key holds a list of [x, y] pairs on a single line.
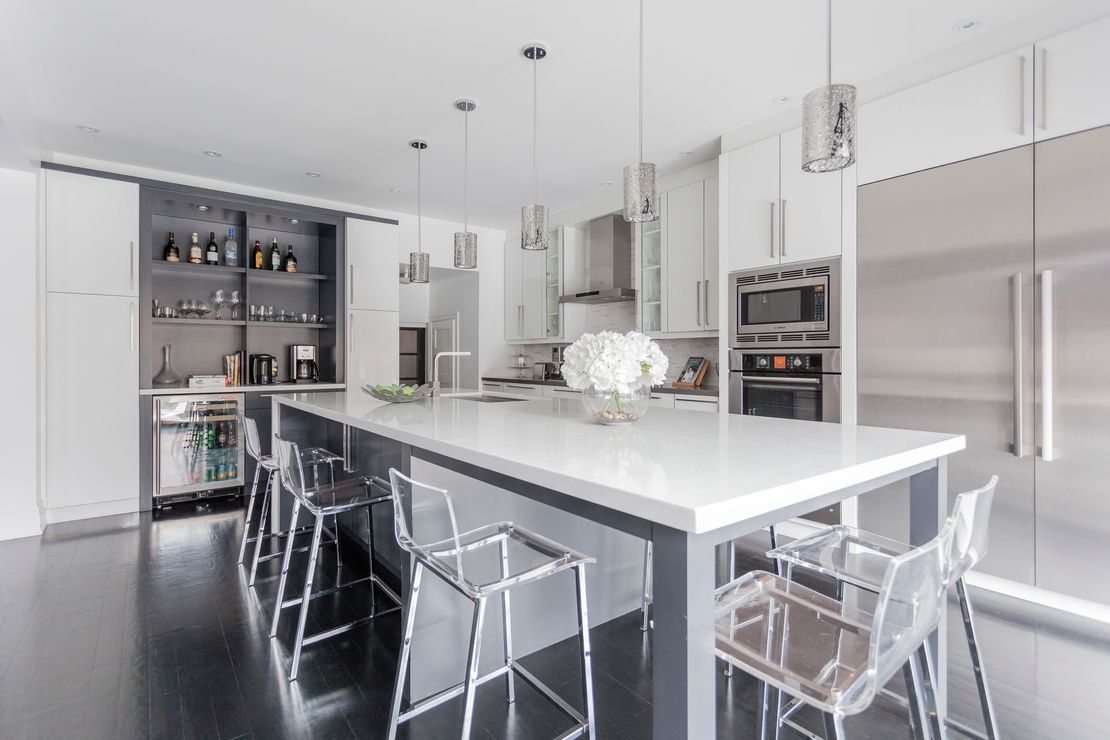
{"points": [[198, 452], [984, 308]]}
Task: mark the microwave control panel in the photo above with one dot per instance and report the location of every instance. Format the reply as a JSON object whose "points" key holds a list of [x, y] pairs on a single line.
{"points": [[783, 363]]}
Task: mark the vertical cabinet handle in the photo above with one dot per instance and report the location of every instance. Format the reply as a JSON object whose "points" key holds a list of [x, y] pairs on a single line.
{"points": [[697, 301], [707, 303], [350, 333], [1047, 440], [1021, 94], [782, 229], [1044, 89], [131, 274], [773, 229], [1019, 374], [350, 285], [131, 324]]}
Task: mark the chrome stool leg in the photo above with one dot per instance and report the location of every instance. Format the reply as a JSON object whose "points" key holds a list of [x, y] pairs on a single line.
{"points": [[587, 653], [472, 666], [306, 597], [646, 595], [250, 513], [260, 536], [406, 652], [989, 720], [507, 622], [285, 567], [919, 701], [730, 575]]}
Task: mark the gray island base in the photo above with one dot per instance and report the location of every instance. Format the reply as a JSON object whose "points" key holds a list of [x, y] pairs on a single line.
{"points": [[686, 481]]}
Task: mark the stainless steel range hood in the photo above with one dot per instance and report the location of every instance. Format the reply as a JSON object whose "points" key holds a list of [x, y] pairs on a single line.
{"points": [[610, 264]]}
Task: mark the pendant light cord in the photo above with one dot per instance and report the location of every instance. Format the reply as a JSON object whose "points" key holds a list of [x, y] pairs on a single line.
{"points": [[641, 81], [535, 130], [466, 160], [828, 44], [419, 237]]}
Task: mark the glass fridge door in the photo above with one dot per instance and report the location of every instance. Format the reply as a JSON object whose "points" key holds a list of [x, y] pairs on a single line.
{"points": [[198, 445]]}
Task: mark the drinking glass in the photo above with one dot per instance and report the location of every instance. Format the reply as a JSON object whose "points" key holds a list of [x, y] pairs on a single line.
{"points": [[219, 300], [313, 319], [236, 304], [269, 313], [203, 308]]}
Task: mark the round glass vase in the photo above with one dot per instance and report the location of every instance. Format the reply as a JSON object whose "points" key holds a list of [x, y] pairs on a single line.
{"points": [[611, 407]]}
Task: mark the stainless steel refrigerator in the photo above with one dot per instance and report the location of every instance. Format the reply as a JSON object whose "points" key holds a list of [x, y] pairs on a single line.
{"points": [[984, 309]]}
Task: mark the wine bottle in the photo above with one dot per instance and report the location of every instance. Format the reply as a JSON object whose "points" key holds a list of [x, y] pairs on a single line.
{"points": [[171, 252], [211, 251], [195, 254], [231, 249], [275, 256], [256, 255], [290, 261]]}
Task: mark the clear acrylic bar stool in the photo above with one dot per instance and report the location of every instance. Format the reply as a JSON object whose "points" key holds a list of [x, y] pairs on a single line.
{"points": [[426, 527], [859, 558], [316, 457], [324, 501], [829, 655]]}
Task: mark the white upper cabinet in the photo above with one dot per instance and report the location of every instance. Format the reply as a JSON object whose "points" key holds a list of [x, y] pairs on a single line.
{"points": [[92, 235], [753, 201], [373, 347], [684, 245], [534, 290], [809, 206], [514, 290], [1072, 83], [372, 277], [712, 251], [532, 280], [984, 108]]}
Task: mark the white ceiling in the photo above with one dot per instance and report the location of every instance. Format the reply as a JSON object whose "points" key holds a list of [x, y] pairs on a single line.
{"points": [[281, 87]]}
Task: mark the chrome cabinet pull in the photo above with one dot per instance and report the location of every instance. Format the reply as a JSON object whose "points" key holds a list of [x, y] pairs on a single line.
{"points": [[1021, 94], [131, 324], [782, 229], [1047, 453], [697, 301], [351, 285], [773, 229], [131, 277], [1019, 400], [1044, 89], [707, 303], [350, 333], [774, 381]]}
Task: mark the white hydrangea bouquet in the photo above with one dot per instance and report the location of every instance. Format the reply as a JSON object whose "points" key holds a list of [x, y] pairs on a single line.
{"points": [[615, 373]]}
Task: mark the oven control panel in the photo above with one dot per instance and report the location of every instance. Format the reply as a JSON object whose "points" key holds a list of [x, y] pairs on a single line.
{"points": [[783, 363]]}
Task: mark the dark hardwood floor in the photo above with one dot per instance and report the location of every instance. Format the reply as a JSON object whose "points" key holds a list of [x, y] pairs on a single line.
{"points": [[135, 626]]}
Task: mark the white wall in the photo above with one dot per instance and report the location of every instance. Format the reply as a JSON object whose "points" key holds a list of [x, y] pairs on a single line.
{"points": [[19, 302]]}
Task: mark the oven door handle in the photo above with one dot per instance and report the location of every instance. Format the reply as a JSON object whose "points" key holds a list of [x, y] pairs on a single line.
{"points": [[765, 380]]}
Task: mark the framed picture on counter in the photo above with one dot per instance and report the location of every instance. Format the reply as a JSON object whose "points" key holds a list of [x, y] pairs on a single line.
{"points": [[693, 372]]}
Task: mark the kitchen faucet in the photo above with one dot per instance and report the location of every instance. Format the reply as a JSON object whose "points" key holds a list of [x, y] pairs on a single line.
{"points": [[435, 368]]}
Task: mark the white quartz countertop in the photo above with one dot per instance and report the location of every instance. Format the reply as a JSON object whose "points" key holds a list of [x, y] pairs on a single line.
{"points": [[692, 471]]}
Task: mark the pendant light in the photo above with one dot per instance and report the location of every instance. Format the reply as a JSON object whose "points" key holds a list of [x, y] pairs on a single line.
{"points": [[534, 217], [829, 119], [419, 261], [641, 194], [466, 241]]}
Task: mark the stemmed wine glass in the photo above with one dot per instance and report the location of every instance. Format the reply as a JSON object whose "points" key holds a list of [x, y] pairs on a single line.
{"points": [[203, 308], [219, 300], [236, 304]]}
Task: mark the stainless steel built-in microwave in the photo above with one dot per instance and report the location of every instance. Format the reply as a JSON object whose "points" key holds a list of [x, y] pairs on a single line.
{"points": [[792, 305]]}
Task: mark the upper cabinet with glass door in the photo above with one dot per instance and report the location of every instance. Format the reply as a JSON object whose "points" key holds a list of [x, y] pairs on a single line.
{"points": [[553, 286], [651, 275]]}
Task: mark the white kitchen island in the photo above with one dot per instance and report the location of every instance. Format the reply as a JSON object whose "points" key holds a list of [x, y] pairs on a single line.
{"points": [[684, 480]]}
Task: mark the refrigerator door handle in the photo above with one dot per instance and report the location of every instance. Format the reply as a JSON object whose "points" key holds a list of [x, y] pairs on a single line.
{"points": [[1046, 367], [773, 255], [1019, 373]]}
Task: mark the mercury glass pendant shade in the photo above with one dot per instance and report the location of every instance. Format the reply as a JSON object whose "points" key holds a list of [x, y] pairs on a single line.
{"points": [[419, 264], [829, 129], [641, 193], [533, 228], [466, 250]]}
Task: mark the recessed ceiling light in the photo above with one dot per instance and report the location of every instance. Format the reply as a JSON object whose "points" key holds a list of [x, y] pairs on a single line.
{"points": [[294, 220], [782, 99], [396, 190], [967, 24], [607, 183], [686, 154], [86, 128], [202, 209], [211, 153], [313, 173]]}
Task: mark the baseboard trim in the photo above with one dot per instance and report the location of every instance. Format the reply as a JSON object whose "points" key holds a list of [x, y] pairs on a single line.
{"points": [[61, 514], [18, 524]]}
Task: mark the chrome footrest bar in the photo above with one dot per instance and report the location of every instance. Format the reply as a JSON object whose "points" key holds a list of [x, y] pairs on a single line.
{"points": [[309, 639], [326, 591], [963, 729], [543, 689], [801, 730], [447, 694]]}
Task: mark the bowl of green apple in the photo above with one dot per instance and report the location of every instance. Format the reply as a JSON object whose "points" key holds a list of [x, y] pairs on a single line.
{"points": [[398, 393]]}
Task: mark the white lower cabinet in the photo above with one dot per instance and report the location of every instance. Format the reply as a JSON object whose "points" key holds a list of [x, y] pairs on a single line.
{"points": [[661, 400], [92, 406], [556, 391], [373, 348], [490, 387], [521, 389], [696, 403]]}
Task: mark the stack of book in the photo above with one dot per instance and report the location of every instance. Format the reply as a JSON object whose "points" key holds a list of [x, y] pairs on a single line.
{"points": [[233, 368], [214, 382]]}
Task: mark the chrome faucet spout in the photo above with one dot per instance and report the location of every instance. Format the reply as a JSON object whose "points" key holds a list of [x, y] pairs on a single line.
{"points": [[435, 367]]}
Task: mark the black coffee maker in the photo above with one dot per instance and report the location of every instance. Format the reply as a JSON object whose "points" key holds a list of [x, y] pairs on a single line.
{"points": [[263, 369]]}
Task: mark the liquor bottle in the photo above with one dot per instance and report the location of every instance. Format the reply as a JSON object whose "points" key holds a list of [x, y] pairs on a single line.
{"points": [[231, 249], [195, 254], [256, 255], [211, 251], [290, 261], [275, 256], [221, 435], [171, 252]]}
